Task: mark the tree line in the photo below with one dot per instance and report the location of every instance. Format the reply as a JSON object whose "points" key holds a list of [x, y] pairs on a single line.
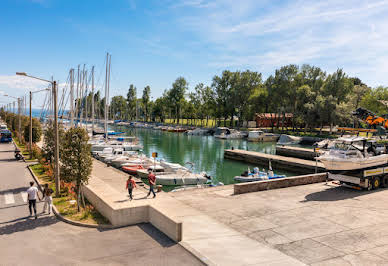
{"points": [[314, 97]]}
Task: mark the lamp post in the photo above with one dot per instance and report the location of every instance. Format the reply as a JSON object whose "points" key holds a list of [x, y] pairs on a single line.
{"points": [[56, 137], [31, 92]]}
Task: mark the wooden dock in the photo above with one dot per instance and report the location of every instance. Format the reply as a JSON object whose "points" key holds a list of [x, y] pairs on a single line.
{"points": [[292, 164], [296, 152]]}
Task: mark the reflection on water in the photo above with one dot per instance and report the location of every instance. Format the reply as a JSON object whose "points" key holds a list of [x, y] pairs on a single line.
{"points": [[206, 152]]}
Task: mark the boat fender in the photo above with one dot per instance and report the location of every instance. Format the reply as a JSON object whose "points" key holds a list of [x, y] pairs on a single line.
{"points": [[175, 180]]}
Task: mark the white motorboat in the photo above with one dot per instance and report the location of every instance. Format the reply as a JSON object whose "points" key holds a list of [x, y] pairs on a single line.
{"points": [[257, 175], [197, 132], [226, 133], [350, 156], [289, 140], [126, 146], [118, 153], [130, 160], [258, 135], [181, 177]]}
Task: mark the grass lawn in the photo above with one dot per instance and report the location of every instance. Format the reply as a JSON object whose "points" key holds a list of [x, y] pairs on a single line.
{"points": [[197, 122]]}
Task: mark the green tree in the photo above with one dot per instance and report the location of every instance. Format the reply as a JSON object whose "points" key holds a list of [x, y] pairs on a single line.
{"points": [[176, 94], [131, 101], [36, 131], [76, 161], [146, 100], [49, 142], [118, 107]]}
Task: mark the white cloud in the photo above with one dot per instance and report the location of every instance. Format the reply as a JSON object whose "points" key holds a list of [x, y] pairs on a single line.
{"points": [[265, 35]]}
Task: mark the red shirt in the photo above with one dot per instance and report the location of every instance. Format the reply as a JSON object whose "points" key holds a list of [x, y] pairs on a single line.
{"points": [[151, 178], [133, 183]]}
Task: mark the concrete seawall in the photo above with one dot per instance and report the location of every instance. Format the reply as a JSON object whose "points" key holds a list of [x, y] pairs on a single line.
{"points": [[279, 183], [121, 213], [296, 152], [295, 165]]}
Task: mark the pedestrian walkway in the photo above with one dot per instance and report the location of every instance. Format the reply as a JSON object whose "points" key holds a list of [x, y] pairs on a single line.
{"points": [[51, 242], [213, 241], [9, 198]]}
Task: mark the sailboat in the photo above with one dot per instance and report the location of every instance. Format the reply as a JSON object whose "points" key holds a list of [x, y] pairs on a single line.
{"points": [[107, 143]]}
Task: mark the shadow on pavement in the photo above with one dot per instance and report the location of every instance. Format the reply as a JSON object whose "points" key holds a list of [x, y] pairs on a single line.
{"points": [[14, 190], [8, 160], [335, 194], [157, 235], [14, 206], [27, 224]]}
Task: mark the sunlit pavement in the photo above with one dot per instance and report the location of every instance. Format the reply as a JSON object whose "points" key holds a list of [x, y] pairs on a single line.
{"points": [[47, 241]]}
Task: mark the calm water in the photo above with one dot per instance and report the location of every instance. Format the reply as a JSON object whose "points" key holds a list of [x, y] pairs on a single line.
{"points": [[206, 152]]}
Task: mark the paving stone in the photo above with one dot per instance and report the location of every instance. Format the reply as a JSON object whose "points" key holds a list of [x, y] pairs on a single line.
{"points": [[356, 259], [252, 224], [269, 237], [309, 228], [309, 251]]}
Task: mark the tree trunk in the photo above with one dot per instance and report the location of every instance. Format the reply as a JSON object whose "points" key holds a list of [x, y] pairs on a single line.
{"points": [[78, 196]]}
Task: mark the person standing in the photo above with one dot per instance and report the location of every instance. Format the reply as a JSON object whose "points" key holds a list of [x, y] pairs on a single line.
{"points": [[48, 199], [130, 186], [151, 181], [32, 195]]}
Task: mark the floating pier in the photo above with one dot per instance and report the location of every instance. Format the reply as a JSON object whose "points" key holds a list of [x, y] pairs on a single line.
{"points": [[292, 164], [296, 152]]}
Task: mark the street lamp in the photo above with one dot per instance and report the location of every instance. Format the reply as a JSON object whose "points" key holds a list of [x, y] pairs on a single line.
{"points": [[56, 137], [30, 133]]}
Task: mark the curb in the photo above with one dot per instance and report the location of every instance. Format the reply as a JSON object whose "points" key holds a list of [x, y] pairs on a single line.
{"points": [[197, 254], [63, 219]]}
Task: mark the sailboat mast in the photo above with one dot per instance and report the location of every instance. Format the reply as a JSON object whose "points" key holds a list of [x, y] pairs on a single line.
{"points": [[92, 99], [77, 97], [86, 100], [106, 94], [71, 97]]}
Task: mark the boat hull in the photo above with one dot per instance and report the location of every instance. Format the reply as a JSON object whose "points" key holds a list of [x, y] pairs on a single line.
{"points": [[353, 164]]}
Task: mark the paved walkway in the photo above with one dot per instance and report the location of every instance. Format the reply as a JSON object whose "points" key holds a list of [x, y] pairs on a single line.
{"points": [[47, 241], [317, 224], [213, 241]]}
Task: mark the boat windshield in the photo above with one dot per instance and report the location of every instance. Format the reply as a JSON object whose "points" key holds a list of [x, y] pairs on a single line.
{"points": [[345, 150]]}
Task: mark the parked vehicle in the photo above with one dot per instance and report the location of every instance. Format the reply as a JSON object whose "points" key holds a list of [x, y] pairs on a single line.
{"points": [[5, 136]]}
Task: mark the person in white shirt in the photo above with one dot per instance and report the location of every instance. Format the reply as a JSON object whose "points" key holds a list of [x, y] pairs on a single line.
{"points": [[32, 195], [48, 200]]}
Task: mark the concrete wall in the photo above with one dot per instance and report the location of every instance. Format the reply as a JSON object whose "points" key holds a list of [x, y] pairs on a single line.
{"points": [[133, 215], [167, 225], [296, 152], [279, 183]]}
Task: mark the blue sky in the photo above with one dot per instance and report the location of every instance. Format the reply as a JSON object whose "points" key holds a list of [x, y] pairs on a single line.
{"points": [[152, 42]]}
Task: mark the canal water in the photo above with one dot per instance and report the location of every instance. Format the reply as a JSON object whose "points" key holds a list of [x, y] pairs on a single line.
{"points": [[205, 152]]}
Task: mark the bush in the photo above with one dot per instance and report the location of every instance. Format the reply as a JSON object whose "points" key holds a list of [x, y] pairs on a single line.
{"points": [[36, 131]]}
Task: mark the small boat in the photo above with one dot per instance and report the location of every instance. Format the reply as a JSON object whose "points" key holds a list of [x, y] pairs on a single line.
{"points": [[132, 169], [226, 133], [258, 135], [181, 177], [289, 140], [352, 155], [197, 132], [257, 175]]}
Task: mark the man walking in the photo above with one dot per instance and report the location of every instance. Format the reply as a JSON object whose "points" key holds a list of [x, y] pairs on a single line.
{"points": [[32, 195], [48, 199], [151, 181], [130, 186]]}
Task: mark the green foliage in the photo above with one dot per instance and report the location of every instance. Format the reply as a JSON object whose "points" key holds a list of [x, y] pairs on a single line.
{"points": [[36, 131], [49, 142], [76, 161]]}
